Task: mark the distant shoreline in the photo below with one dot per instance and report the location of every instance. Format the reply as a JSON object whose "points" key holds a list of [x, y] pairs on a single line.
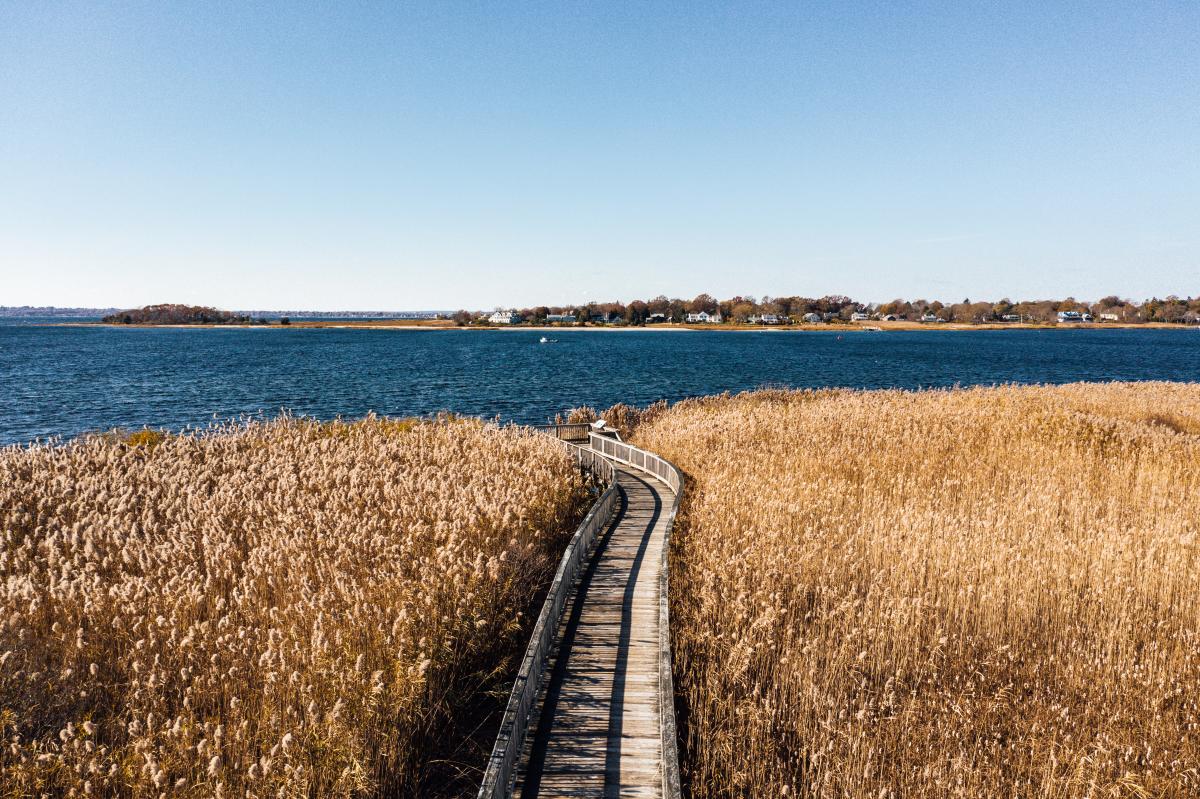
{"points": [[849, 327]]}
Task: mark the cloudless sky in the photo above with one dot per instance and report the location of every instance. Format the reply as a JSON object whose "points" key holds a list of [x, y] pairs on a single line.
{"points": [[444, 154]]}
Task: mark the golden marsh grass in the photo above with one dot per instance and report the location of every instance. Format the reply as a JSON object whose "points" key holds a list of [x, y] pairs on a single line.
{"points": [[280, 609], [985, 592]]}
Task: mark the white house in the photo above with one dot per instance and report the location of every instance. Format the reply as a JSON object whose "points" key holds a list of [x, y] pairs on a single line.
{"points": [[1070, 316], [813, 318], [859, 316], [504, 318], [1109, 317], [704, 317], [931, 319]]}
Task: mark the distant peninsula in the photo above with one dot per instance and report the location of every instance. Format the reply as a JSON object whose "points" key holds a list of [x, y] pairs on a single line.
{"points": [[51, 312], [57, 312], [173, 314], [703, 312]]}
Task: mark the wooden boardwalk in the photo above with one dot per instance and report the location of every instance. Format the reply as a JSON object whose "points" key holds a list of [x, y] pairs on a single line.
{"points": [[598, 731]]}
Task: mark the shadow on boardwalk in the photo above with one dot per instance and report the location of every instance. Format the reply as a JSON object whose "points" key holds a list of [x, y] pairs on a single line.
{"points": [[598, 731]]}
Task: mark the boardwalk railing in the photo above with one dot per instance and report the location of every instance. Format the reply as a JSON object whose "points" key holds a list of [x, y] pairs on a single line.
{"points": [[661, 468], [574, 431], [665, 471], [498, 778]]}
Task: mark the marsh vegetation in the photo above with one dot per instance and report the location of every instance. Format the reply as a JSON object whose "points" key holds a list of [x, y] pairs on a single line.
{"points": [[984, 592], [280, 609]]}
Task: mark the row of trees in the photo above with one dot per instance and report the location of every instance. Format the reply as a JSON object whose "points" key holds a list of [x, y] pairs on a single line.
{"points": [[742, 309], [176, 314], [1172, 309]]}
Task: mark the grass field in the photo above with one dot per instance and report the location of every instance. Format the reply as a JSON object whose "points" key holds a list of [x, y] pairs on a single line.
{"points": [[284, 609], [985, 592]]}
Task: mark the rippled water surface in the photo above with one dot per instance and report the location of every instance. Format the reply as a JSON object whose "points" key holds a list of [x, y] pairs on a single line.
{"points": [[61, 381]]}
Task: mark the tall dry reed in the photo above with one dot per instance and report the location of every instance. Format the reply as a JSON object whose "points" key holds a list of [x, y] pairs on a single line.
{"points": [[281, 609], [986, 592]]}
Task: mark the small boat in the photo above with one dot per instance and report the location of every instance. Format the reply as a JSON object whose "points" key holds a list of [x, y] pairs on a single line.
{"points": [[545, 340], [873, 329]]}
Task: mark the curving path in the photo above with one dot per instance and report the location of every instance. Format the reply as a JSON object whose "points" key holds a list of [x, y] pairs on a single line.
{"points": [[597, 727]]}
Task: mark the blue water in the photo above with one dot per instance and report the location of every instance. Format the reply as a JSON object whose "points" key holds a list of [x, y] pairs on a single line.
{"points": [[62, 381]]}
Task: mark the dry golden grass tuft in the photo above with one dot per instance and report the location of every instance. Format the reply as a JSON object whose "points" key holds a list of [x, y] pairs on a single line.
{"points": [[621, 417], [281, 609], [986, 592]]}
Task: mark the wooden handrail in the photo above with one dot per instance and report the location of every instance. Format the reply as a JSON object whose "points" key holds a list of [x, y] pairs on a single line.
{"points": [[570, 431], [497, 779]]}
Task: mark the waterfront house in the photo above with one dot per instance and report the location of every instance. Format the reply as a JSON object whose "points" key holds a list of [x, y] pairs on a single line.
{"points": [[1070, 316], [859, 316], [656, 318], [504, 318], [1010, 317], [813, 318], [566, 318], [890, 317], [704, 317], [931, 319], [1109, 317]]}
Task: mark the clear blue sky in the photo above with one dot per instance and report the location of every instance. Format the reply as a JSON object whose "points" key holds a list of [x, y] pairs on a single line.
{"points": [[444, 154]]}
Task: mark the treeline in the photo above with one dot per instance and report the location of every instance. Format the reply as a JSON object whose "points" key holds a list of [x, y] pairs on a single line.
{"points": [[175, 314], [51, 312], [786, 310]]}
